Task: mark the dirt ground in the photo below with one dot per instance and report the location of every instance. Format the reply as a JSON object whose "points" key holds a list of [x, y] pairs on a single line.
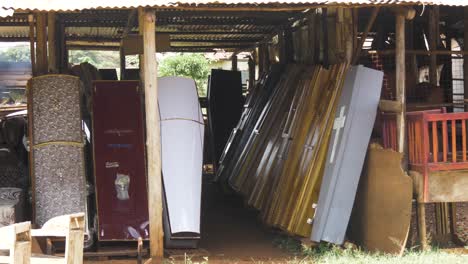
{"points": [[230, 234], [233, 234]]}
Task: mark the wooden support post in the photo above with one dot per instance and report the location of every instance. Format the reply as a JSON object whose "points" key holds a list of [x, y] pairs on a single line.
{"points": [[130, 23], [400, 78], [465, 57], [41, 46], [288, 46], [421, 216], [267, 58], [141, 29], [326, 49], [52, 43], [122, 63], [32, 40], [433, 41], [400, 51], [413, 62], [251, 64], [441, 211], [234, 62], [261, 58], [370, 23], [153, 138]]}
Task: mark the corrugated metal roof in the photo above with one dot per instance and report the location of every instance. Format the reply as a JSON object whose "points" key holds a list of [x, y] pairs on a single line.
{"points": [[61, 5]]}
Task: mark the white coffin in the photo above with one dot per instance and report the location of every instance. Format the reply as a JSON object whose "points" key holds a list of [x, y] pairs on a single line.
{"points": [[182, 131]]}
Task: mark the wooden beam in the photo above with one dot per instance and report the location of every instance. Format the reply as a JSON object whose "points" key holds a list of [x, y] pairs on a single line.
{"points": [[52, 43], [123, 64], [31, 43], [420, 52], [465, 57], [132, 17], [261, 58], [370, 23], [400, 78], [41, 46], [390, 106], [153, 138], [326, 48], [251, 63], [433, 41], [62, 51], [234, 62], [288, 46]]}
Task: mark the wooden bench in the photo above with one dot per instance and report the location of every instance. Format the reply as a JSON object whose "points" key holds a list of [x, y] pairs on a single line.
{"points": [[70, 227], [16, 239]]}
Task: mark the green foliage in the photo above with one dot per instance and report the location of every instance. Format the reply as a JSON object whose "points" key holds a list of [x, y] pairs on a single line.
{"points": [[98, 58], [15, 54], [193, 65]]}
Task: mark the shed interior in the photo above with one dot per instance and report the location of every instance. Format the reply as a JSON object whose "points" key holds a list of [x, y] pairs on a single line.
{"points": [[270, 34]]}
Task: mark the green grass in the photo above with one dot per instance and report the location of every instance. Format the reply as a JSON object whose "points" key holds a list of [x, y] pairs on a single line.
{"points": [[326, 253]]}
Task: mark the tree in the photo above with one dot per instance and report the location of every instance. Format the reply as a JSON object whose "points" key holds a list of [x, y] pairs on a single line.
{"points": [[16, 54], [193, 65]]}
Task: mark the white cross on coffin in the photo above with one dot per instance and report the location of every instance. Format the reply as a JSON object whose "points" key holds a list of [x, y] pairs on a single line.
{"points": [[337, 126]]}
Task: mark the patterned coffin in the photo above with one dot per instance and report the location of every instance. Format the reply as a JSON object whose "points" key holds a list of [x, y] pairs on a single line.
{"points": [[56, 140]]}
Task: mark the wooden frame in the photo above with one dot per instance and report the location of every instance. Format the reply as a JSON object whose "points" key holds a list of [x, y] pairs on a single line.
{"points": [[71, 227], [17, 239]]}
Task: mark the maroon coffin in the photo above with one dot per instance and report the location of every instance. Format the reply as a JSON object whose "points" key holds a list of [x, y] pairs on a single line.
{"points": [[119, 161]]}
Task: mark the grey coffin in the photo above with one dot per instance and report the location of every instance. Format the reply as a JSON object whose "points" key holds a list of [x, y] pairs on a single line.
{"points": [[355, 116]]}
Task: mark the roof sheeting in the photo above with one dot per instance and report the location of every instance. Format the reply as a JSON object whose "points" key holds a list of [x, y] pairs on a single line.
{"points": [[61, 5]]}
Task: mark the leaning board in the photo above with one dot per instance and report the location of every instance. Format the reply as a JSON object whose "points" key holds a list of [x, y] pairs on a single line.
{"points": [[381, 220], [56, 140], [352, 129]]}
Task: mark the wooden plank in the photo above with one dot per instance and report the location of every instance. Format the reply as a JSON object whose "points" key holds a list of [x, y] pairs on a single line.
{"points": [[52, 44], [153, 138], [448, 186], [261, 58], [444, 141], [390, 106], [31, 43], [464, 139], [435, 142], [133, 44], [41, 46], [454, 141], [448, 166], [370, 23], [234, 62], [433, 41], [400, 78], [381, 220], [132, 17], [465, 58], [62, 52]]}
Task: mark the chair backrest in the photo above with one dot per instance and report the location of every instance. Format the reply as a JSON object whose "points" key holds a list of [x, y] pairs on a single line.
{"points": [[72, 228], [17, 239]]}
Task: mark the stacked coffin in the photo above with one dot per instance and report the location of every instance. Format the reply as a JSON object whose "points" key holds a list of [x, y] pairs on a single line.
{"points": [[300, 137], [279, 164], [56, 142]]}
